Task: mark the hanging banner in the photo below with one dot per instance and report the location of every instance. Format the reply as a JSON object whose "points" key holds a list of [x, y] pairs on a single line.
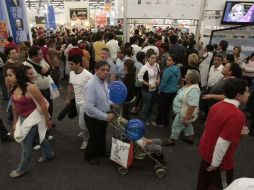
{"points": [[3, 34], [107, 5], [17, 17], [78, 13], [50, 17]]}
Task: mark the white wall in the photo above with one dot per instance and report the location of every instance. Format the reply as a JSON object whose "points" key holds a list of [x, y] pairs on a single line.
{"points": [[69, 5]]}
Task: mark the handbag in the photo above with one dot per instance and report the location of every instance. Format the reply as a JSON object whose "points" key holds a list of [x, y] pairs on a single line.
{"points": [[54, 92], [122, 153]]}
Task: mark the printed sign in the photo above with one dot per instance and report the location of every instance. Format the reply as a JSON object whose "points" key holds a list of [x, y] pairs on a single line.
{"points": [[78, 13], [17, 17]]}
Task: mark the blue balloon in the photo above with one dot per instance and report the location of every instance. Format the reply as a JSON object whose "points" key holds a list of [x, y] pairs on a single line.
{"points": [[135, 129], [117, 92]]}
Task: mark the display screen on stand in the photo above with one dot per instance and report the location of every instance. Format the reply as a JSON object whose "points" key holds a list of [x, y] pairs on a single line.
{"points": [[238, 13]]}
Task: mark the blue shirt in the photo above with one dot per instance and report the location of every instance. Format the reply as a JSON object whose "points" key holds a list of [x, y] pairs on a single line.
{"points": [[97, 103], [192, 98], [170, 79]]}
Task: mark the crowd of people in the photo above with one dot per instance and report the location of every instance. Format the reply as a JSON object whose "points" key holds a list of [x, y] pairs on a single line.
{"points": [[164, 68]]}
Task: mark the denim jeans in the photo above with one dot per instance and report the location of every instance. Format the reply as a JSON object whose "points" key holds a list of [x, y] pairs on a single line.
{"points": [[27, 148], [149, 99]]}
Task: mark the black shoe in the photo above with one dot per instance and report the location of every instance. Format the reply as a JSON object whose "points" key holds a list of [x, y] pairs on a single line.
{"points": [[168, 143], [7, 138], [188, 141], [94, 161]]}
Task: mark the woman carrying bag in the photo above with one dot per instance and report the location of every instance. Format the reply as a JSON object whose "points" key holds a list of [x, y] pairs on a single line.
{"points": [[30, 114]]}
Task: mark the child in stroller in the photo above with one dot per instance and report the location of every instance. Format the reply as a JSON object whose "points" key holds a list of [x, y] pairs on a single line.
{"points": [[143, 147]]}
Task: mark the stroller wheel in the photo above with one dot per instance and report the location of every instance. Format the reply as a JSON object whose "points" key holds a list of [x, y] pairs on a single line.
{"points": [[122, 170], [160, 172], [156, 167]]}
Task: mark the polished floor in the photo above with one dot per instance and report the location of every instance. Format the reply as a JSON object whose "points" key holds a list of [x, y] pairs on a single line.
{"points": [[69, 171]]}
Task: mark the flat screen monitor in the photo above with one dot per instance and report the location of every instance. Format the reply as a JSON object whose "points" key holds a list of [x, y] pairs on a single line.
{"points": [[238, 13]]}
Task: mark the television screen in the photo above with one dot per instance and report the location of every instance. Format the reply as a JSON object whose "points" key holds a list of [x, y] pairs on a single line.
{"points": [[238, 13]]}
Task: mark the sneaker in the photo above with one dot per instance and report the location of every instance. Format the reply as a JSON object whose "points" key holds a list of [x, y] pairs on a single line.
{"points": [[80, 134], [84, 145], [50, 138], [42, 159], [154, 124], [37, 147], [17, 173]]}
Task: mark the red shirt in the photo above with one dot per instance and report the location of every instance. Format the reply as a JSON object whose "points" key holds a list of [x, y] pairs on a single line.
{"points": [[45, 53], [224, 120]]}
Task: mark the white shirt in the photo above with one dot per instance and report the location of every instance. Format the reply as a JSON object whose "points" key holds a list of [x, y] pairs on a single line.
{"points": [[204, 68], [113, 47], [145, 49], [136, 48], [215, 75], [79, 82], [153, 73], [248, 69], [42, 82]]}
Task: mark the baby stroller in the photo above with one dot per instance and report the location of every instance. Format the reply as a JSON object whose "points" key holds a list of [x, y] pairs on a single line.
{"points": [[140, 152]]}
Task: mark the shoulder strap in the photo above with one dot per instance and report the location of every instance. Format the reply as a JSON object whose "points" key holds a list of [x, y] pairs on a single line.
{"points": [[36, 67]]}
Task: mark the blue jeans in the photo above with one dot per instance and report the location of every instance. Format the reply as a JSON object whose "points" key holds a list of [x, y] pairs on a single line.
{"points": [[27, 148], [149, 99]]}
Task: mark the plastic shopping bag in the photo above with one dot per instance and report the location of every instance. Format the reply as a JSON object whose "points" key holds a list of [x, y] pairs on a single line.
{"points": [[122, 153], [54, 92]]}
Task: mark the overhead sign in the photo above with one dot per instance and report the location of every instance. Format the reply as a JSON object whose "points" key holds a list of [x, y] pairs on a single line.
{"points": [[78, 13], [17, 17]]}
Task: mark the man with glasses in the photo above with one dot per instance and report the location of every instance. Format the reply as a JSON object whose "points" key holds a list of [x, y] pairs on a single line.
{"points": [[97, 112]]}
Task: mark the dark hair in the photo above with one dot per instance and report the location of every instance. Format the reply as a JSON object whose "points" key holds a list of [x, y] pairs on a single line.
{"points": [[8, 50], [74, 42], [223, 45], [129, 64], [33, 51], [219, 56], [140, 56], [173, 57], [165, 46], [173, 39], [233, 87], [111, 36], [10, 39], [246, 60], [41, 42], [98, 36], [151, 41], [230, 58], [236, 70], [209, 47], [149, 53], [100, 64], [26, 67], [128, 51], [21, 77], [77, 59], [192, 43]]}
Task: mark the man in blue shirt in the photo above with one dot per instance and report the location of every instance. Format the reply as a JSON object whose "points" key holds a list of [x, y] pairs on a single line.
{"points": [[97, 112]]}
